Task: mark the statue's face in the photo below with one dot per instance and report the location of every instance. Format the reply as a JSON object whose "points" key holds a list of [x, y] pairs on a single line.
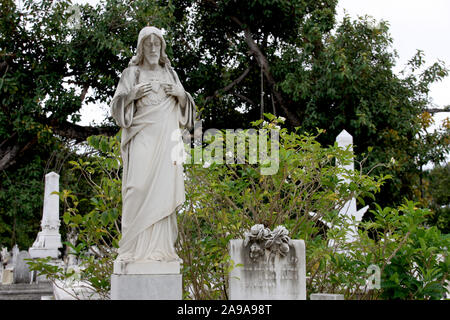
{"points": [[152, 49]]}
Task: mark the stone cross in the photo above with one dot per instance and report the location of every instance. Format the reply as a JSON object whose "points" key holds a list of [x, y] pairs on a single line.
{"points": [[349, 210], [49, 239]]}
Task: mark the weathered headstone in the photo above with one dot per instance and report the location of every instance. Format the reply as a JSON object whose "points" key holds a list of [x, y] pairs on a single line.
{"points": [[7, 275], [273, 266], [5, 257], [22, 272], [48, 240], [7, 267]]}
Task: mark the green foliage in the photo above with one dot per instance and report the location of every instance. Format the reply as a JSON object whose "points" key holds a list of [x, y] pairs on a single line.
{"points": [[330, 75], [22, 191], [417, 263], [412, 258], [21, 195], [225, 200], [436, 184], [47, 57]]}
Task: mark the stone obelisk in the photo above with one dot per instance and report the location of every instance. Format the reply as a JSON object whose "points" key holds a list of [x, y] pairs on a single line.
{"points": [[48, 240]]}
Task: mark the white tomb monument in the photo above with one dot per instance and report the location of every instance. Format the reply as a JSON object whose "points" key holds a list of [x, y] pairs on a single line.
{"points": [[349, 210], [48, 240], [273, 266]]}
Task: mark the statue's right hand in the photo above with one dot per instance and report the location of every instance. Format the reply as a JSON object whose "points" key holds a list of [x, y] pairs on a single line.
{"points": [[140, 90]]}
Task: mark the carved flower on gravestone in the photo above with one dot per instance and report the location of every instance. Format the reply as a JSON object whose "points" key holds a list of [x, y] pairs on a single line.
{"points": [[257, 233], [260, 239], [279, 241], [257, 237]]}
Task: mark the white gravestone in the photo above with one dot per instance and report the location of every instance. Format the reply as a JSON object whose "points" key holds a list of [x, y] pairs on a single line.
{"points": [[8, 269], [267, 273], [22, 273], [349, 210], [48, 241]]}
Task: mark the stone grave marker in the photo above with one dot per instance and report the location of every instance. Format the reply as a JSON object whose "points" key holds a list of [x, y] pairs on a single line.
{"points": [[48, 240], [273, 266], [22, 273]]}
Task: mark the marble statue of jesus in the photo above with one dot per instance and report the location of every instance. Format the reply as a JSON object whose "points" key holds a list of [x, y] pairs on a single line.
{"points": [[150, 104]]}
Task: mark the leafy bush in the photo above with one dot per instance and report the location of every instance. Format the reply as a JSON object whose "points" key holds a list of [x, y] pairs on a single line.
{"points": [[225, 200]]}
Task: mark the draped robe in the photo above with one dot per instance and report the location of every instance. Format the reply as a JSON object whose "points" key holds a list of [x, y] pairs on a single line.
{"points": [[152, 180]]}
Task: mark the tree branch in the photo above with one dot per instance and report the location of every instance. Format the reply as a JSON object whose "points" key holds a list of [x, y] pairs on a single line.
{"points": [[79, 133], [245, 98], [229, 86], [264, 64], [84, 92], [9, 156], [11, 150], [437, 110]]}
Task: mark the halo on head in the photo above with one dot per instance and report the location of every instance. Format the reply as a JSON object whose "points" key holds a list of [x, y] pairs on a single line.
{"points": [[143, 34]]}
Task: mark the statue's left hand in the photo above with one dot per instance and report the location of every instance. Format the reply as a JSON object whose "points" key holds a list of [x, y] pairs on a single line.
{"points": [[174, 90]]}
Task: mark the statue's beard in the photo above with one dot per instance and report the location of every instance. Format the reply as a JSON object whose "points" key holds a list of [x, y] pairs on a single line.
{"points": [[152, 60]]}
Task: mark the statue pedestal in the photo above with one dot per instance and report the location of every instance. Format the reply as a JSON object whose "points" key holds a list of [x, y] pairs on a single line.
{"points": [[142, 280]]}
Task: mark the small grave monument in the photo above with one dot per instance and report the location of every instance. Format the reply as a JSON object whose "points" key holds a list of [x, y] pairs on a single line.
{"points": [[345, 140], [273, 266], [22, 273], [48, 241], [7, 272]]}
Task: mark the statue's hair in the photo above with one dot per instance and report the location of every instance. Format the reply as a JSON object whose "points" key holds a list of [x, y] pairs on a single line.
{"points": [[138, 58]]}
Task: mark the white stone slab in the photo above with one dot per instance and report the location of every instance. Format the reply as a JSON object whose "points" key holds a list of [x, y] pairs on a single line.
{"points": [[146, 267], [146, 287], [271, 277], [8, 276], [326, 296], [22, 273], [44, 253]]}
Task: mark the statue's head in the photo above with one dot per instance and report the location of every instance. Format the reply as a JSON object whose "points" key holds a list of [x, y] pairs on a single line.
{"points": [[150, 46]]}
